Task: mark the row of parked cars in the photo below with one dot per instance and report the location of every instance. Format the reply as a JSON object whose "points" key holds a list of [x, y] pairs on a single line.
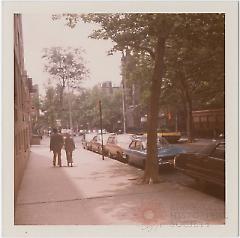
{"points": [[207, 165]]}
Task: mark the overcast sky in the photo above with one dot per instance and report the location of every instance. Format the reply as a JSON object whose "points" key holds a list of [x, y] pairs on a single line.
{"points": [[39, 31]]}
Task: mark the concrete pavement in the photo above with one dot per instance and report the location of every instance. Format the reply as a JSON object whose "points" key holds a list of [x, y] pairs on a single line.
{"points": [[97, 192]]}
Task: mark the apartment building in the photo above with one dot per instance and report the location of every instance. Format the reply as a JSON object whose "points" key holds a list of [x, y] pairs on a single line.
{"points": [[22, 102]]}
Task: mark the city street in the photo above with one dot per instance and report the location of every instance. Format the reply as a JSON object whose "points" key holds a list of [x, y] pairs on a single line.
{"points": [[108, 192]]}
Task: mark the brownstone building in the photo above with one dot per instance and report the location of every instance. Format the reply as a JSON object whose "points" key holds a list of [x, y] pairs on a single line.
{"points": [[22, 120]]}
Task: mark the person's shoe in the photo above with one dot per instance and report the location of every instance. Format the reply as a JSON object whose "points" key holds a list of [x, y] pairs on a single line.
{"points": [[60, 165], [54, 164], [71, 165]]}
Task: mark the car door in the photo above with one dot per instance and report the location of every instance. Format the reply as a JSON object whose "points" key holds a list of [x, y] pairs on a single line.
{"points": [[99, 144], [196, 163], [94, 142], [141, 154], [215, 165], [138, 154], [130, 152], [108, 146], [114, 146]]}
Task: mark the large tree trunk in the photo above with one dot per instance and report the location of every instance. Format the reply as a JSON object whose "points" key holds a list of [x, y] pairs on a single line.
{"points": [[151, 166]]}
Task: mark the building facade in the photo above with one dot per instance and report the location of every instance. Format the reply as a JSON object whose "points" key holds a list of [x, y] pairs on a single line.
{"points": [[209, 123], [22, 102]]}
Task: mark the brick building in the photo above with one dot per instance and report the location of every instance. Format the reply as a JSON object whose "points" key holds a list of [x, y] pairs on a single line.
{"points": [[22, 102]]}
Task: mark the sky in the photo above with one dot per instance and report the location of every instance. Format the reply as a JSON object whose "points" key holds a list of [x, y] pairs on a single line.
{"points": [[40, 31]]}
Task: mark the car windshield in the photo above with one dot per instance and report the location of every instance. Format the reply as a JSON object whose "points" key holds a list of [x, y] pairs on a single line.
{"points": [[162, 142], [105, 138]]}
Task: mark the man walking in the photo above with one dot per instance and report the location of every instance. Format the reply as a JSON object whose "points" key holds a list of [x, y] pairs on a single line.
{"points": [[69, 147], [56, 144]]}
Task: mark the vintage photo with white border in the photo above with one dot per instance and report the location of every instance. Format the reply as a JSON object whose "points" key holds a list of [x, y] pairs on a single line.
{"points": [[120, 119]]}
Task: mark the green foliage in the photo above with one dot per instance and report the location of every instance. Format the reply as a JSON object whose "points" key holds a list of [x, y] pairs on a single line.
{"points": [[49, 106], [67, 66], [194, 47], [87, 108], [195, 52]]}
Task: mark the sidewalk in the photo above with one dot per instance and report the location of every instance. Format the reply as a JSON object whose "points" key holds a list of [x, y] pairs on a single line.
{"points": [[105, 192]]}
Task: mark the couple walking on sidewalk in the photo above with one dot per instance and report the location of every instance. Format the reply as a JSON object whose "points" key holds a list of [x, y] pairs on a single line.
{"points": [[56, 144]]}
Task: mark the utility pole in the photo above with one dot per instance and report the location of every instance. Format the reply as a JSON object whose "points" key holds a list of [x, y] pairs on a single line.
{"points": [[100, 110], [124, 75], [70, 111]]}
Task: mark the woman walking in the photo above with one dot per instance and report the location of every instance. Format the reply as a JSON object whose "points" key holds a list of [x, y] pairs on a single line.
{"points": [[69, 147]]}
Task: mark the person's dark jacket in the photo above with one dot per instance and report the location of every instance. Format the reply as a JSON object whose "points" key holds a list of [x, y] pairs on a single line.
{"points": [[56, 142], [69, 144]]}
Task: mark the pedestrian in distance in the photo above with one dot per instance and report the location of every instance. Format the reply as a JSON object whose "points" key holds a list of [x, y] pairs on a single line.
{"points": [[69, 147], [56, 145]]}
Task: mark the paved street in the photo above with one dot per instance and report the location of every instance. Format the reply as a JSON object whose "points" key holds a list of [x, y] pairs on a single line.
{"points": [[98, 192]]}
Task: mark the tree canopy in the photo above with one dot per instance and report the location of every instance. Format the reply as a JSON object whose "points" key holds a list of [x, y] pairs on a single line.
{"points": [[183, 56]]}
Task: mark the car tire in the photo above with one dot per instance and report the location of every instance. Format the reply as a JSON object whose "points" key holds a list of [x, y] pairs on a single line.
{"points": [[127, 159], [99, 150], [119, 157], [105, 152]]}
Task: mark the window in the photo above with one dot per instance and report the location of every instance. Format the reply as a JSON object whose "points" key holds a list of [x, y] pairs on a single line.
{"points": [[132, 145], [139, 145], [110, 140], [196, 119], [219, 151]]}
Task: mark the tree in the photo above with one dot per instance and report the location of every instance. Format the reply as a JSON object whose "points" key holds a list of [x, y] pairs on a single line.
{"points": [[66, 67], [140, 33], [86, 108], [50, 107], [195, 61]]}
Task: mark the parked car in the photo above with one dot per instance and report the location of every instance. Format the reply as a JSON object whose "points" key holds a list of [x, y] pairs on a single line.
{"points": [[115, 145], [86, 141], [206, 166], [170, 136], [96, 142], [136, 153]]}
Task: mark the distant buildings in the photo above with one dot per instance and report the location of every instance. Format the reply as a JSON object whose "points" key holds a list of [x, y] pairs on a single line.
{"points": [[34, 107], [131, 97], [22, 107], [108, 88]]}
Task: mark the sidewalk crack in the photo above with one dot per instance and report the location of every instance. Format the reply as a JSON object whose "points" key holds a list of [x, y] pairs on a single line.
{"points": [[86, 198]]}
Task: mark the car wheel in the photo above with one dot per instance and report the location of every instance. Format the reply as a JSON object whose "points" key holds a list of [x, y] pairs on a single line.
{"points": [[99, 151], [127, 159], [119, 157]]}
